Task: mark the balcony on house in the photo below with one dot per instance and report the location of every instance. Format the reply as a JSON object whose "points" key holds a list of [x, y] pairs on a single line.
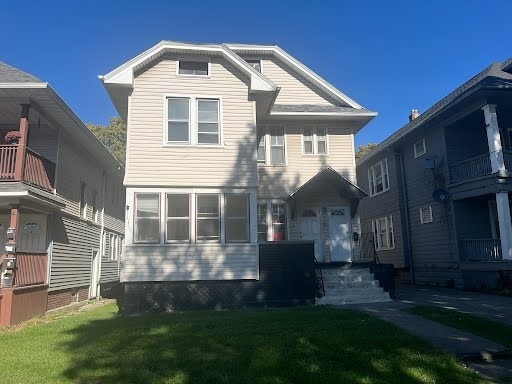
{"points": [[37, 170], [479, 146]]}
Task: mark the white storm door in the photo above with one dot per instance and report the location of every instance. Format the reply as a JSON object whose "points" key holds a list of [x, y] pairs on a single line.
{"points": [[310, 229], [340, 239]]}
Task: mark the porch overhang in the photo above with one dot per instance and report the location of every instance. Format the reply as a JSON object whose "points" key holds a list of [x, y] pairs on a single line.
{"points": [[19, 193], [331, 178]]}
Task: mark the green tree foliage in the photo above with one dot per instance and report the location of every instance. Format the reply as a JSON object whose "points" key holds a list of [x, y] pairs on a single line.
{"points": [[362, 150], [113, 136]]}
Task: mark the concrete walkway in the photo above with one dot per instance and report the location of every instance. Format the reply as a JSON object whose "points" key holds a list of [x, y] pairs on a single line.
{"points": [[459, 343], [481, 354], [493, 307]]}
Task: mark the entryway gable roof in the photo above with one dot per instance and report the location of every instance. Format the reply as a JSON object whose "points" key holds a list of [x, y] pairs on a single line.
{"points": [[328, 174]]}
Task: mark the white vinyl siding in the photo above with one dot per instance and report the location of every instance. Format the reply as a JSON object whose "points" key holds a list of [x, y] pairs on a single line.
{"points": [[383, 233], [378, 178], [420, 148], [294, 88], [280, 181], [153, 162], [426, 215]]}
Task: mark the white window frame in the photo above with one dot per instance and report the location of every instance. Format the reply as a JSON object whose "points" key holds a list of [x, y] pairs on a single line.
{"points": [[270, 227], [225, 218], [267, 129], [189, 121], [193, 121], [220, 218], [390, 232], [430, 218], [199, 60], [372, 180], [178, 218], [416, 153], [315, 141], [134, 215]]}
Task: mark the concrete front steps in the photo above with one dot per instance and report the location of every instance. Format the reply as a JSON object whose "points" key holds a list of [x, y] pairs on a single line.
{"points": [[351, 286]]}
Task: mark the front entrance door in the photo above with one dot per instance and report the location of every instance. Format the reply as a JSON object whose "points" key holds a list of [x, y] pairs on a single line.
{"points": [[310, 229], [340, 239], [95, 274]]}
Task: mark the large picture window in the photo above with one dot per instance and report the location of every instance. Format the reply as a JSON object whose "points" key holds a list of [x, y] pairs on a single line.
{"points": [[147, 218], [378, 177], [178, 217], [208, 217], [383, 233], [236, 217]]}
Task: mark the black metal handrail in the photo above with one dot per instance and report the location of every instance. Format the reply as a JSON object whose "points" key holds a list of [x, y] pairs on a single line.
{"points": [[480, 250], [319, 282]]}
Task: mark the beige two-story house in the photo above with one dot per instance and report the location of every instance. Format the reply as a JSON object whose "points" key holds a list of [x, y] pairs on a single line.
{"points": [[229, 146]]}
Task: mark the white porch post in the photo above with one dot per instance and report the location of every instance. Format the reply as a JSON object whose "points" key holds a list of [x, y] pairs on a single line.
{"points": [[493, 138], [505, 222]]}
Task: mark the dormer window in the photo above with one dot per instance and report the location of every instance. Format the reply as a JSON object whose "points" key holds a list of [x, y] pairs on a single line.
{"points": [[256, 64], [194, 68]]}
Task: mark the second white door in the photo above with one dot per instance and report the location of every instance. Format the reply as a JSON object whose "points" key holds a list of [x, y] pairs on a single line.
{"points": [[310, 229]]}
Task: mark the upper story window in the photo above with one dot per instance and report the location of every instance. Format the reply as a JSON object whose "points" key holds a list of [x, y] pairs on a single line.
{"points": [[193, 121], [314, 141], [420, 148], [271, 146], [256, 64], [378, 177], [194, 68], [94, 206]]}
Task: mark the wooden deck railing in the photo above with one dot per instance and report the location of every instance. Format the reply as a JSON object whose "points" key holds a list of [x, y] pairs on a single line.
{"points": [[31, 269], [7, 161], [39, 171], [471, 168], [480, 250]]}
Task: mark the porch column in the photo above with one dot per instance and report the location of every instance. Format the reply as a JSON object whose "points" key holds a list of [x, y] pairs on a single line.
{"points": [[13, 223], [493, 138], [505, 223], [22, 143]]}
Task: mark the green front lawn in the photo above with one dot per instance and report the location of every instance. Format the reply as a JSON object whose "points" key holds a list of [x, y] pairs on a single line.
{"points": [[297, 345], [492, 330]]}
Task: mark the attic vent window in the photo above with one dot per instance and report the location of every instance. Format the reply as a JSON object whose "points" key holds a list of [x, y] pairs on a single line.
{"points": [[194, 68], [256, 64], [420, 148], [426, 215]]}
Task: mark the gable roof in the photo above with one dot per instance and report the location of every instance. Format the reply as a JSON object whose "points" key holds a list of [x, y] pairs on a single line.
{"points": [[10, 74], [119, 81], [299, 67], [494, 76]]}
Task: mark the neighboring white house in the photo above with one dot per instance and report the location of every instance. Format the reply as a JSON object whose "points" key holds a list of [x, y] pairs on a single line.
{"points": [[230, 145]]}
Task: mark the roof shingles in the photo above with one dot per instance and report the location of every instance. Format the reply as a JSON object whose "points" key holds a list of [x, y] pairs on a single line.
{"points": [[10, 74]]}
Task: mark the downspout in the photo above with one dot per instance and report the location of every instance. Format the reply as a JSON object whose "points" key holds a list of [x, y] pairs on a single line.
{"points": [[405, 213]]}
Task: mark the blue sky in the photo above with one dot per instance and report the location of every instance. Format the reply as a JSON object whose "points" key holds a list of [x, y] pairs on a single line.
{"points": [[390, 56]]}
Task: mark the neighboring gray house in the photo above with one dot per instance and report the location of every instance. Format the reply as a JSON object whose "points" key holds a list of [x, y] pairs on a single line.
{"points": [[230, 145], [61, 202], [440, 188]]}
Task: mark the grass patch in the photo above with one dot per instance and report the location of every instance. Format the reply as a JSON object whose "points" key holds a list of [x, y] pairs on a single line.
{"points": [[296, 345], [492, 330]]}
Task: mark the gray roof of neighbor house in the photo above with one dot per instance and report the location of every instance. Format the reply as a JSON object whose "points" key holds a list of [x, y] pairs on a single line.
{"points": [[10, 74], [494, 76]]}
